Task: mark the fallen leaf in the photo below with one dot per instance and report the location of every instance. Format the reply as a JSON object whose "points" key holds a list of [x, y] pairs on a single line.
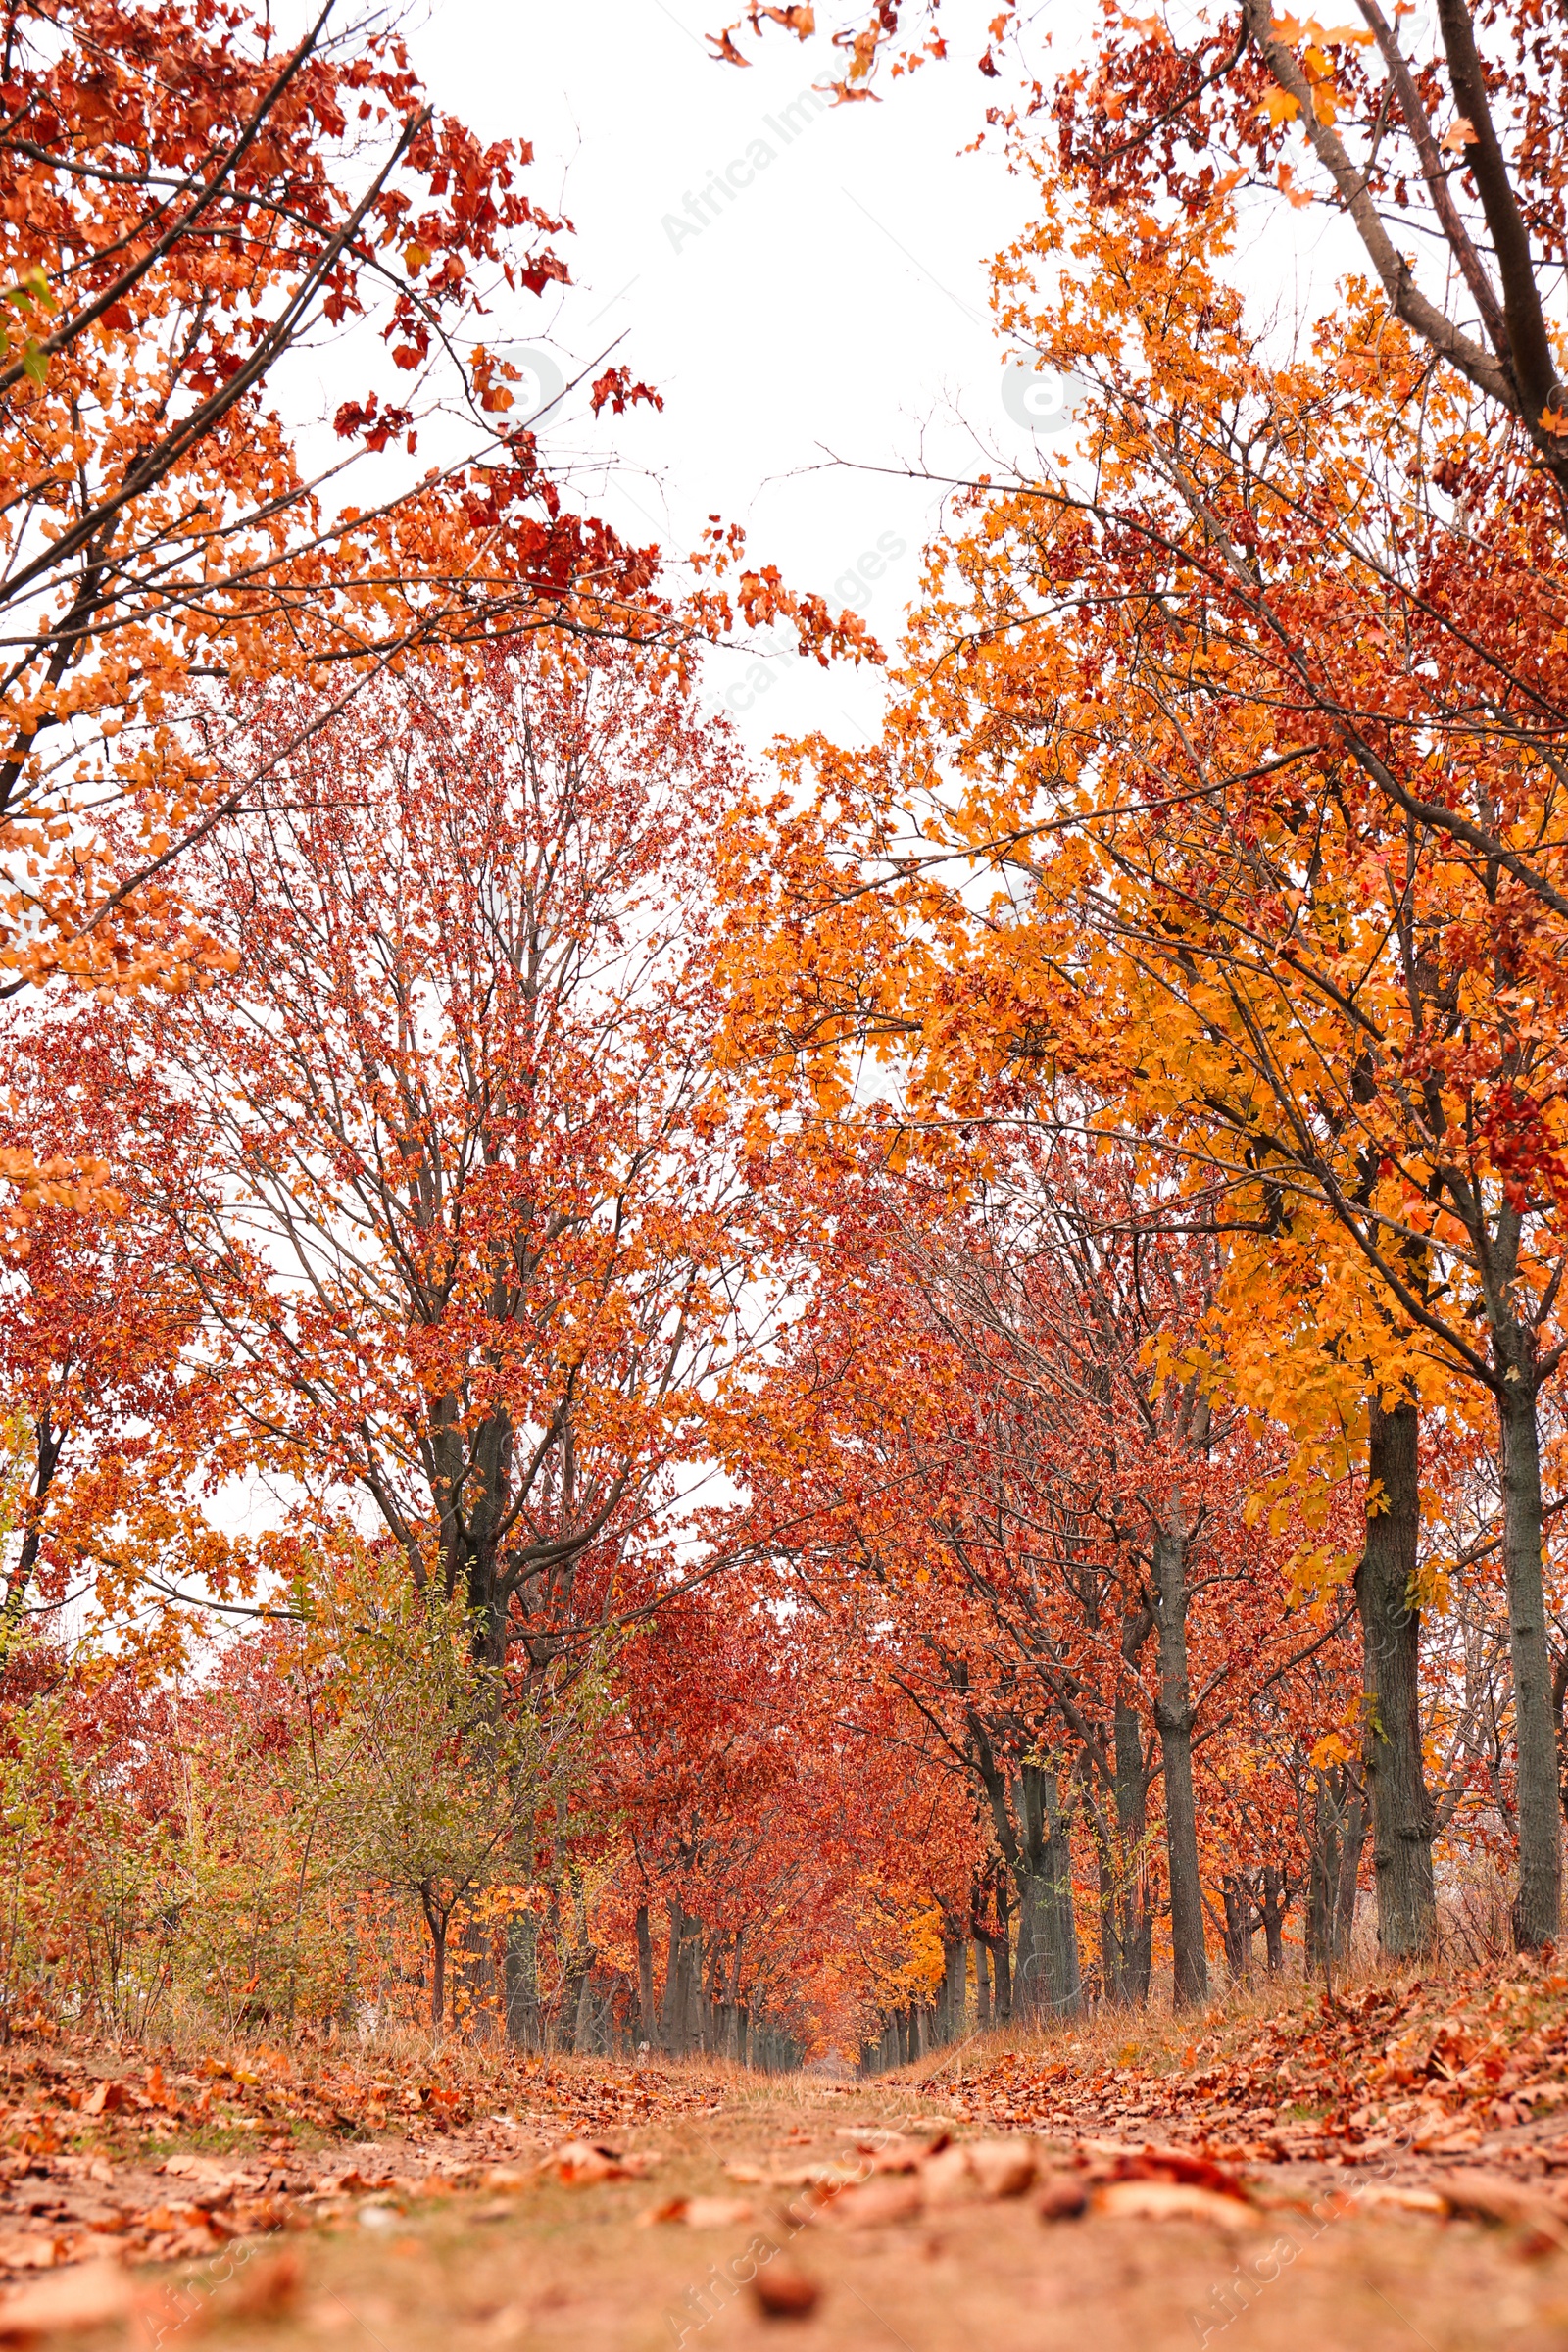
{"points": [[669, 2209], [1493, 2197], [1180, 2163], [1406, 2200], [945, 2176], [32, 2252], [105, 2099], [264, 2291], [162, 2218], [715, 2213], [92, 2297], [506, 2325], [783, 2293], [697, 2213], [580, 2164], [1004, 2168], [874, 2204], [1171, 2201], [1063, 2197], [886, 2151]]}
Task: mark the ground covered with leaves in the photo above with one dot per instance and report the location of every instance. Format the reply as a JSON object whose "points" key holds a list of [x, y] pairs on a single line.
{"points": [[1467, 2066], [121, 2152], [1385, 2167]]}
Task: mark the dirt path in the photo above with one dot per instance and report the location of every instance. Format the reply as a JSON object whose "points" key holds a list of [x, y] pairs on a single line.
{"points": [[924, 2260]]}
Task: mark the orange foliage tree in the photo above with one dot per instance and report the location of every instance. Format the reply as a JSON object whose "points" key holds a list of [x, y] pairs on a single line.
{"points": [[183, 204], [1181, 703], [445, 1160]]}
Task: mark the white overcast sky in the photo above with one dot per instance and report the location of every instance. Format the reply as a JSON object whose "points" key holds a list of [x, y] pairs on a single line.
{"points": [[836, 309], [831, 320]]}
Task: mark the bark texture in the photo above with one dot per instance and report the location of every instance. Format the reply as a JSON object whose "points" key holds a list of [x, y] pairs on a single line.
{"points": [[1390, 1639], [1173, 1718], [1538, 1907]]}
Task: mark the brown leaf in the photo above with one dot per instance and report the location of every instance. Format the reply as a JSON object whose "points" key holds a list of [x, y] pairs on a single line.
{"points": [[1493, 2197], [945, 2176], [885, 2152], [715, 2213], [1404, 2200], [1003, 2168], [874, 2204], [1171, 2201], [668, 2209], [1180, 2163], [1063, 2197], [161, 2218], [784, 2292], [579, 2164], [105, 2099], [264, 2290], [92, 2297], [33, 2251]]}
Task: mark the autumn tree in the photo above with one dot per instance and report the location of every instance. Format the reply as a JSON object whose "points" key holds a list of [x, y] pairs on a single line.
{"points": [[1464, 139], [445, 1160], [187, 203], [96, 1319], [994, 1460], [1219, 910]]}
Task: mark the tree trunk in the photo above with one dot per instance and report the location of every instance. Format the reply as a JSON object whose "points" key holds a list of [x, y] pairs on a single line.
{"points": [[690, 1990], [1134, 1921], [1390, 1641], [1238, 1928], [956, 1988], [669, 2014], [1126, 1919], [578, 1970], [1322, 1874], [735, 2028], [982, 1984], [1049, 1982], [1537, 1910], [646, 2018], [1173, 1718], [1352, 1841], [1272, 1905], [1001, 1955]]}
